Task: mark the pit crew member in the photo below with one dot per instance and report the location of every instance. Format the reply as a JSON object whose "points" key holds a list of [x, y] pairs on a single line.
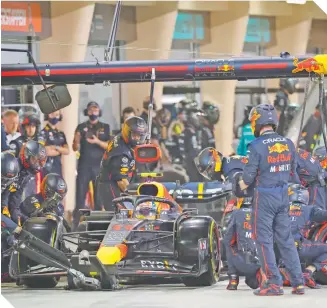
{"points": [[55, 144], [240, 247], [9, 172], [302, 216], [91, 139], [29, 129], [271, 159], [118, 163], [53, 191], [209, 118], [189, 143], [312, 175], [320, 153], [32, 158]]}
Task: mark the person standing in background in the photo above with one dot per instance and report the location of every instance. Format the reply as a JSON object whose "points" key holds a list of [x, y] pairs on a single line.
{"points": [[4, 146], [246, 134], [91, 140], [11, 122], [55, 144]]}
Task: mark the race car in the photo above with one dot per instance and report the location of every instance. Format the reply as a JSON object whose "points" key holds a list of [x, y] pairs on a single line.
{"points": [[150, 235]]}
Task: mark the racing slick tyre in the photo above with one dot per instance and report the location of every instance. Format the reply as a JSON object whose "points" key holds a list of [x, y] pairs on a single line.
{"points": [[41, 282], [46, 231], [201, 227]]}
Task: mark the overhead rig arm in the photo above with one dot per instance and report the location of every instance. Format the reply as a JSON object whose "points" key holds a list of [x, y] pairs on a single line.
{"points": [[234, 68]]}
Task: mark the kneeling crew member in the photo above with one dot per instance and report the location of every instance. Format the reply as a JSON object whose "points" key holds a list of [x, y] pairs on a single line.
{"points": [[240, 247], [271, 171], [53, 191], [303, 215], [118, 163]]}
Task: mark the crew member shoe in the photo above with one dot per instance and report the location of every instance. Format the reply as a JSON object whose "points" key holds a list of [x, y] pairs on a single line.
{"points": [[233, 283], [286, 277], [309, 281], [269, 290], [299, 290]]}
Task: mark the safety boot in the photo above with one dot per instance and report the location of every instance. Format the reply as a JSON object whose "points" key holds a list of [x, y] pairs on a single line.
{"points": [[286, 277], [298, 290], [269, 289], [309, 281], [233, 282]]}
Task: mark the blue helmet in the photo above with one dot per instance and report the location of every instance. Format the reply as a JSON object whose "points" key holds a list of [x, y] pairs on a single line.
{"points": [[297, 193], [263, 115], [320, 152]]}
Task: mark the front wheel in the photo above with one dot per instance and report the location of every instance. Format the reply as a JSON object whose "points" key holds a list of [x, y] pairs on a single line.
{"points": [[211, 276]]}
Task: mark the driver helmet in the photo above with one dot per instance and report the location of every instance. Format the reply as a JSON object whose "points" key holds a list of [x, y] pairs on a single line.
{"points": [[29, 118], [210, 112], [33, 156], [134, 131], [297, 193], [263, 115], [9, 169], [146, 210], [209, 162], [53, 185], [321, 155]]}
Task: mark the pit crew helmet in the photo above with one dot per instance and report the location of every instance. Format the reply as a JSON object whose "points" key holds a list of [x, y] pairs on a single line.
{"points": [[33, 156], [29, 118], [146, 210], [53, 185], [209, 162], [321, 155], [211, 112], [134, 131], [9, 169], [263, 115], [298, 194]]}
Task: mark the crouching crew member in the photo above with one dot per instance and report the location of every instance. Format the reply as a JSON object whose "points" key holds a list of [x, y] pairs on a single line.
{"points": [[118, 163], [240, 247], [53, 191], [302, 216]]}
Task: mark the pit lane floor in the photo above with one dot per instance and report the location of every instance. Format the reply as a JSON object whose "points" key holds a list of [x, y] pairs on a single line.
{"points": [[160, 296]]}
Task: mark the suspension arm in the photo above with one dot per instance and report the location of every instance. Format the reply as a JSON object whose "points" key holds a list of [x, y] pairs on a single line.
{"points": [[234, 68]]}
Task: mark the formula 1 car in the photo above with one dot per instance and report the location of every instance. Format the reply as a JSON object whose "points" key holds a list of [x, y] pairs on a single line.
{"points": [[149, 235]]}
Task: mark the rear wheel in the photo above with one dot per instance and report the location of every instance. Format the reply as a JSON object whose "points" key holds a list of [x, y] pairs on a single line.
{"points": [[211, 276]]}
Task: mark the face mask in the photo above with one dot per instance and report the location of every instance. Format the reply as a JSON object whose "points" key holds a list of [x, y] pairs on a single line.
{"points": [[53, 121], [93, 117]]}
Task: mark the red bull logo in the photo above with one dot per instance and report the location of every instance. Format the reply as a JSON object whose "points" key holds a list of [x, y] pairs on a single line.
{"points": [[310, 65], [226, 68], [278, 148]]}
